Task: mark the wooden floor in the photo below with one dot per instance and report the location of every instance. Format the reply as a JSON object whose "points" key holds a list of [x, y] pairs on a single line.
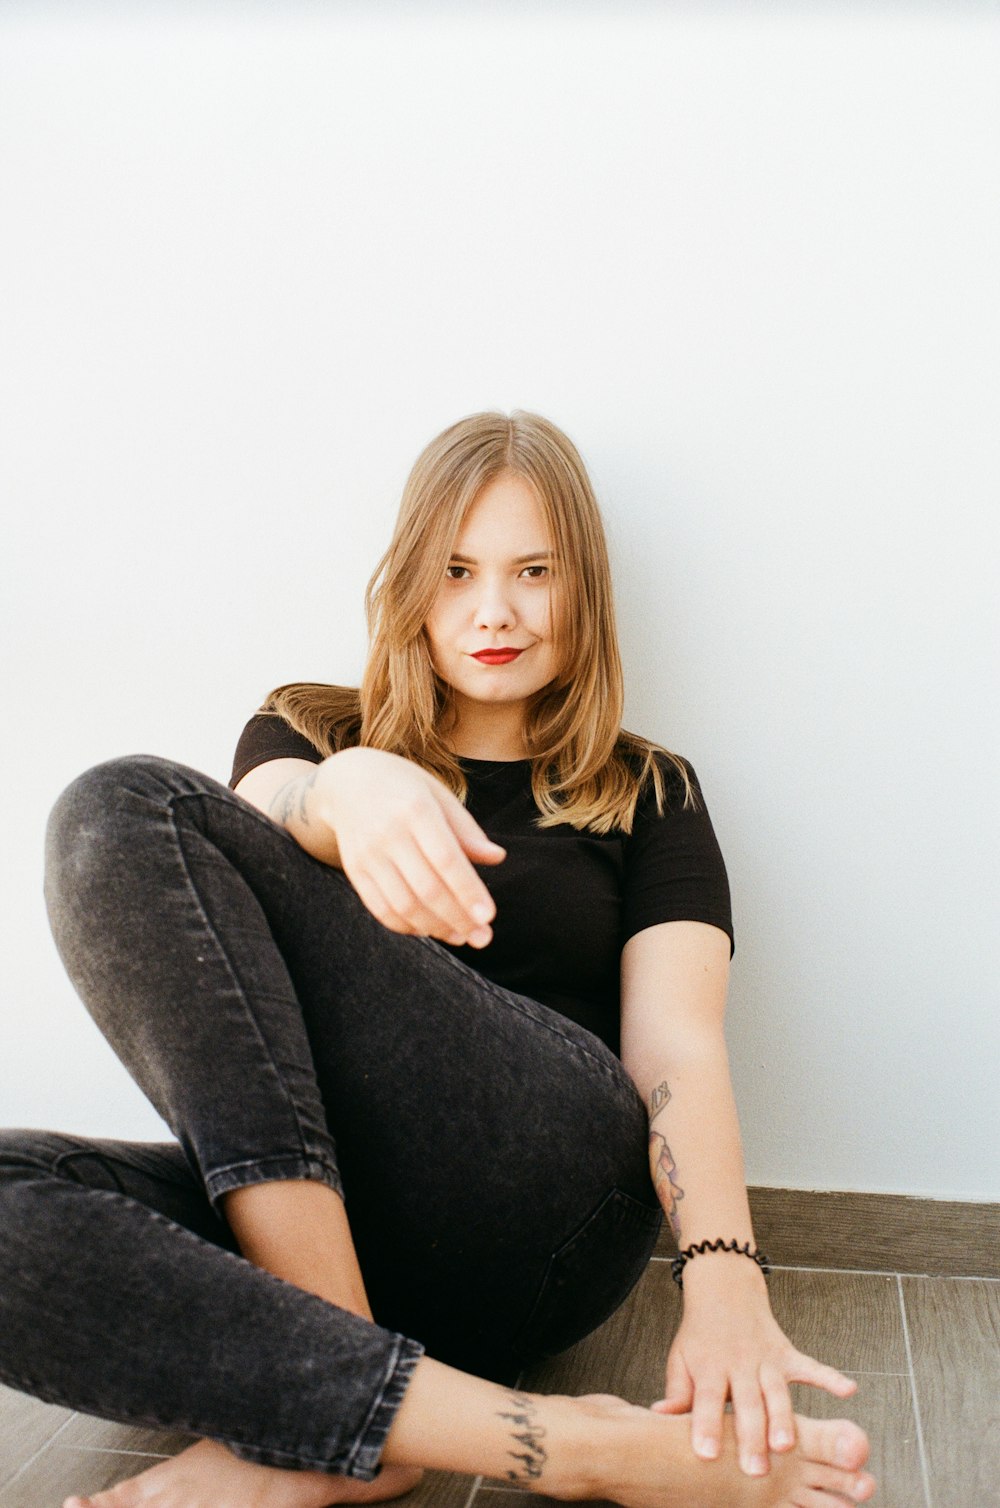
{"points": [[925, 1351]]}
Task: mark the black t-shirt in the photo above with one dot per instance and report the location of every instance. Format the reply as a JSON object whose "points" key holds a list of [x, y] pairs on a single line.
{"points": [[567, 901]]}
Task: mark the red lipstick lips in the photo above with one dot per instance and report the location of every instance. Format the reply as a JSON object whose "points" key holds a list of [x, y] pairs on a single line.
{"points": [[496, 656]]}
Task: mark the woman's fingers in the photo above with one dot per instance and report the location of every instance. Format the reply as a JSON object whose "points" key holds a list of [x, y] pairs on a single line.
{"points": [[418, 902], [451, 887], [408, 847], [750, 1423], [706, 1418], [808, 1369], [780, 1415], [763, 1417], [680, 1388], [428, 885]]}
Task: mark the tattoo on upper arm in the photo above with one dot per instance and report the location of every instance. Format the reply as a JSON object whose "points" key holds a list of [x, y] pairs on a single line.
{"points": [[668, 1190], [528, 1434]]}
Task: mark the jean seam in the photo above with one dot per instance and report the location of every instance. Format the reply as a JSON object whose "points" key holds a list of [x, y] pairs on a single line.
{"points": [[509, 999], [221, 1180], [370, 1439], [303, 1151]]}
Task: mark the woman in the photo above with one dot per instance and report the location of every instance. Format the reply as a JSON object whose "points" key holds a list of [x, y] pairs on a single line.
{"points": [[414, 1153]]}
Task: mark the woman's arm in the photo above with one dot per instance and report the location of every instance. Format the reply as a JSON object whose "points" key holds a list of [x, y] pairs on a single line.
{"points": [[286, 791], [674, 978]]}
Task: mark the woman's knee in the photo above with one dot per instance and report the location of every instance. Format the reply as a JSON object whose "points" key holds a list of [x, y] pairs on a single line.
{"points": [[104, 807], [92, 798]]}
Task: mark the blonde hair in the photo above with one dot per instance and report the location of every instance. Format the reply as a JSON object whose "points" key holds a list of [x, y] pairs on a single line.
{"points": [[586, 770]]}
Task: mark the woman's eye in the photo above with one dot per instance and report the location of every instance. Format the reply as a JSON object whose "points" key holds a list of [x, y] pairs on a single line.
{"points": [[463, 568]]}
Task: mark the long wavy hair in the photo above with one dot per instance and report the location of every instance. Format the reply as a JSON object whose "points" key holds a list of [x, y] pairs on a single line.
{"points": [[587, 770]]}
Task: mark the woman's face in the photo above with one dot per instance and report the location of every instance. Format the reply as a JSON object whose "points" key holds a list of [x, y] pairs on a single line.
{"points": [[491, 597]]}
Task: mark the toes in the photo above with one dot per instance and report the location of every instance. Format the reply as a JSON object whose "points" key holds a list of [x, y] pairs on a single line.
{"points": [[833, 1442], [829, 1485]]}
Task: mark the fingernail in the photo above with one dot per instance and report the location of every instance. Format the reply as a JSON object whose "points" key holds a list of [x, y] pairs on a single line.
{"points": [[480, 937], [481, 912], [781, 1439], [755, 1466], [707, 1447]]}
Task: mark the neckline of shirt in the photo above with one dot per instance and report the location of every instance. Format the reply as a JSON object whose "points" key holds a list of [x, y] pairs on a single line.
{"points": [[492, 764]]}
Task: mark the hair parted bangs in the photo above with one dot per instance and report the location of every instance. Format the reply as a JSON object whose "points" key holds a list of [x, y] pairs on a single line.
{"points": [[587, 770]]}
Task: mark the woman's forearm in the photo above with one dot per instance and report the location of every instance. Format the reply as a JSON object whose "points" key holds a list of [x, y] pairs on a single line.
{"points": [[696, 1161], [301, 806], [695, 1151]]}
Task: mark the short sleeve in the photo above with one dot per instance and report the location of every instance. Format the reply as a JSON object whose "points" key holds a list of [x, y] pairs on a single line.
{"points": [[269, 737], [674, 870]]}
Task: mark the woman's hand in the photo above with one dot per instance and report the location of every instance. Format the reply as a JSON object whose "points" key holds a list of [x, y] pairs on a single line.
{"points": [[407, 845], [729, 1345]]}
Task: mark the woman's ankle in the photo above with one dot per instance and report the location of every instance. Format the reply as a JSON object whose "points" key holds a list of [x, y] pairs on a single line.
{"points": [[584, 1439]]}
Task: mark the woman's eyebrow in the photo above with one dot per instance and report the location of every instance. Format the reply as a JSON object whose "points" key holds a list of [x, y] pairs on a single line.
{"points": [[517, 560]]}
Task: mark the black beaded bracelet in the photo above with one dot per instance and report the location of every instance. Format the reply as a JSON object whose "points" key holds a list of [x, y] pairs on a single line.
{"points": [[677, 1265]]}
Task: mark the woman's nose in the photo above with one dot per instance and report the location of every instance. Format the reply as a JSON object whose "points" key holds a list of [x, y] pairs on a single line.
{"points": [[494, 609]]}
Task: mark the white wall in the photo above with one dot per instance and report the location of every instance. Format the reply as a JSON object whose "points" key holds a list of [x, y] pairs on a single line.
{"points": [[256, 256]]}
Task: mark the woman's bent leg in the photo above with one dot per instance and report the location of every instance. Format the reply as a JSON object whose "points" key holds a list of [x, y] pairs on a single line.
{"points": [[118, 1297], [492, 1153], [170, 952]]}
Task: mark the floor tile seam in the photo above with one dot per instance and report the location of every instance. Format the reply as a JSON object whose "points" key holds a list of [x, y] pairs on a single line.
{"points": [[472, 1491], [873, 1272], [117, 1450], [883, 1272], [914, 1396], [39, 1452], [860, 1372]]}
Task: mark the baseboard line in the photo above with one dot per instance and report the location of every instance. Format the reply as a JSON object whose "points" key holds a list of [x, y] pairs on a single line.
{"points": [[876, 1232]]}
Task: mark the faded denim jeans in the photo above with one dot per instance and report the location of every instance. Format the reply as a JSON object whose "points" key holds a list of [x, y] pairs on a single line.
{"points": [[492, 1154]]}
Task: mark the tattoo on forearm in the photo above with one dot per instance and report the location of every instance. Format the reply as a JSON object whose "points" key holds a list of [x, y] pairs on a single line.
{"points": [[668, 1190], [283, 801], [308, 782], [528, 1434], [658, 1098], [280, 805]]}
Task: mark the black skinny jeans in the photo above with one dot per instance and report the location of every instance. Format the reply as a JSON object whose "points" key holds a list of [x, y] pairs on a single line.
{"points": [[492, 1154]]}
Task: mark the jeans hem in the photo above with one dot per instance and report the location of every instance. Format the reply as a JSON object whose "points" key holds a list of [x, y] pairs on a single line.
{"points": [[239, 1175], [363, 1460]]}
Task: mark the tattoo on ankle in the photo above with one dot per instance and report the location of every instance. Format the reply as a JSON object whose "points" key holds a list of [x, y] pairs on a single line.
{"points": [[668, 1190], [527, 1433]]}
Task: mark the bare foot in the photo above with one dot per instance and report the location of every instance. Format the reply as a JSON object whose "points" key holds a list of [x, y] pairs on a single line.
{"points": [[646, 1466], [207, 1475]]}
